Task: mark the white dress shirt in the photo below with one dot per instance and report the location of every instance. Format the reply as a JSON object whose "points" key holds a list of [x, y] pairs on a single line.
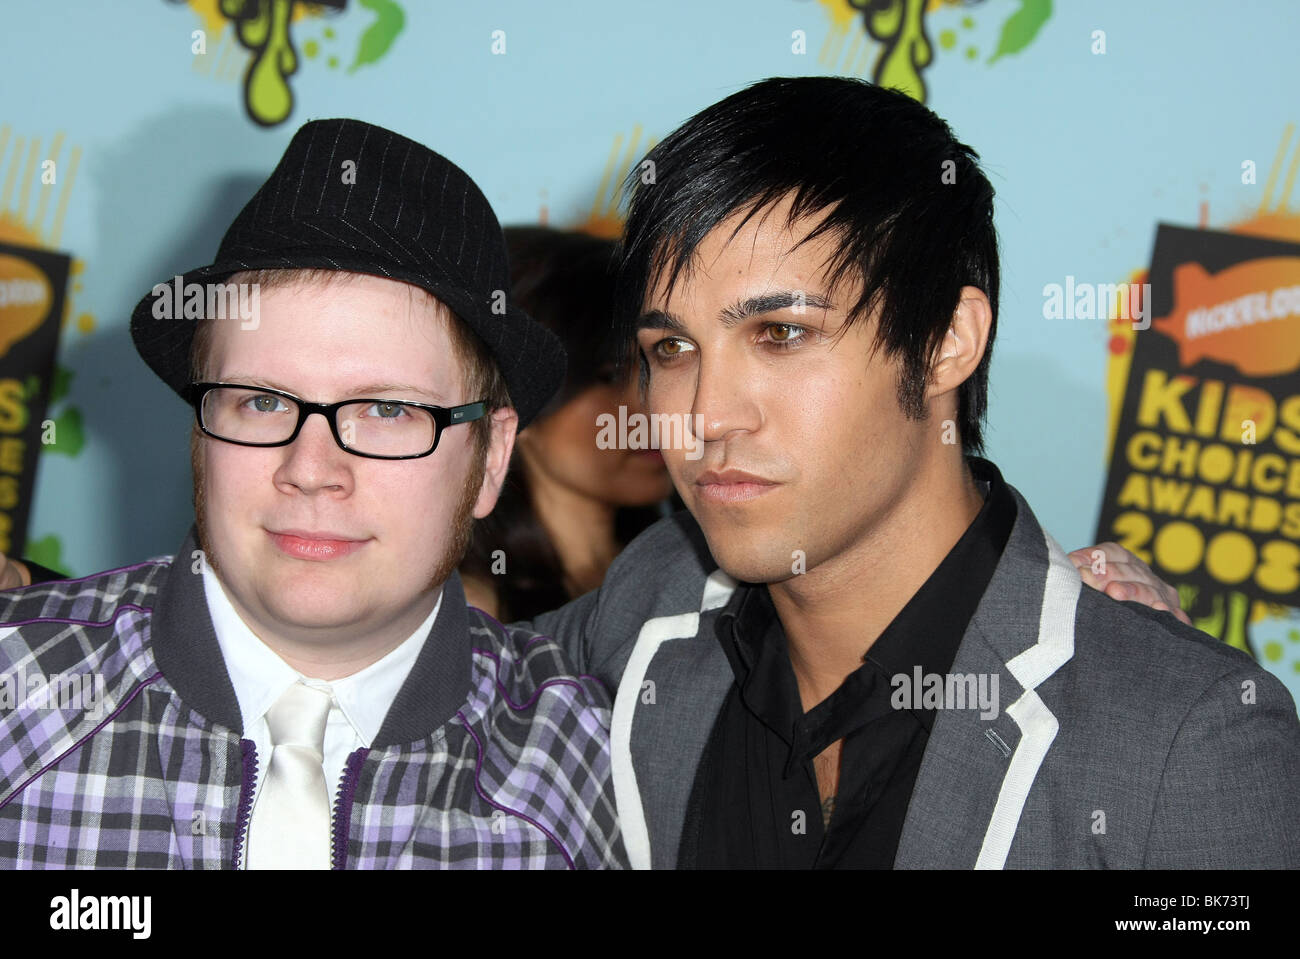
{"points": [[260, 677]]}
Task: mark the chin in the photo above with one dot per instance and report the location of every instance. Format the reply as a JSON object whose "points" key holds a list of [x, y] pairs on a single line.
{"points": [[311, 609], [752, 559]]}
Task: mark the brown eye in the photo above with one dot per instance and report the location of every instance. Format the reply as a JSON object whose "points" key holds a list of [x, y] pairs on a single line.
{"points": [[670, 347], [783, 335]]}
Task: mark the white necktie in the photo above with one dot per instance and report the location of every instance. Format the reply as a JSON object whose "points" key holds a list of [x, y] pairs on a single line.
{"points": [[290, 828]]}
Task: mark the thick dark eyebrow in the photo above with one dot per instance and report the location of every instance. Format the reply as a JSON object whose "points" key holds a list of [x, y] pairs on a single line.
{"points": [[739, 311], [659, 320], [770, 303]]}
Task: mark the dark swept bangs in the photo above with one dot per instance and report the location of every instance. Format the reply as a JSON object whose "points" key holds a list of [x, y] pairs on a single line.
{"points": [[907, 203]]}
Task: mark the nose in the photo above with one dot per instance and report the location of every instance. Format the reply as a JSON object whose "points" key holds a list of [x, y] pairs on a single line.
{"points": [[314, 461], [723, 402]]}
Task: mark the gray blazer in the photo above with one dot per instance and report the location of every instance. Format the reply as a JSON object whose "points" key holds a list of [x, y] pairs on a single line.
{"points": [[1122, 738]]}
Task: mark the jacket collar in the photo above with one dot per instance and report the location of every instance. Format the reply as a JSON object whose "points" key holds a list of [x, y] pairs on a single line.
{"points": [[189, 656]]}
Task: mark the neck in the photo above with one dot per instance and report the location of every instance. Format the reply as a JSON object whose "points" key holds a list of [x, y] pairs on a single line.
{"points": [[834, 613], [339, 653], [580, 528]]}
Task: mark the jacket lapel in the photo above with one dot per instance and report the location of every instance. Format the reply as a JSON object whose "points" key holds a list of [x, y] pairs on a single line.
{"points": [[976, 776], [671, 709]]}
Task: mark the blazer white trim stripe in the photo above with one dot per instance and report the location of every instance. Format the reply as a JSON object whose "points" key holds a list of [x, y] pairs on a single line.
{"points": [[1038, 725], [627, 795]]}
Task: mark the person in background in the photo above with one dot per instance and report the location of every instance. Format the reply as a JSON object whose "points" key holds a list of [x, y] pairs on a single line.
{"points": [[17, 573], [567, 507]]}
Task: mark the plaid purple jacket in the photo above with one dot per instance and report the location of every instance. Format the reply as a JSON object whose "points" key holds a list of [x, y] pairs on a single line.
{"points": [[121, 746]]}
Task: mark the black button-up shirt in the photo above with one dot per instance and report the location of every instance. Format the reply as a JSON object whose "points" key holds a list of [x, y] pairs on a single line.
{"points": [[755, 801]]}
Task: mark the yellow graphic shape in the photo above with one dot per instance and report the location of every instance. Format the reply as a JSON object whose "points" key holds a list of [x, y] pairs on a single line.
{"points": [[225, 60], [210, 16], [22, 187], [21, 181], [604, 219], [1275, 169]]}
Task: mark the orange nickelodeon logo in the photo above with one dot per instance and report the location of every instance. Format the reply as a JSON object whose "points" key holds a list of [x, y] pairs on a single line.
{"points": [[25, 298], [1247, 316]]}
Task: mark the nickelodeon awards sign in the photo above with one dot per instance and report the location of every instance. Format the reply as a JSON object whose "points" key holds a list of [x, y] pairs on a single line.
{"points": [[1204, 479], [32, 286]]}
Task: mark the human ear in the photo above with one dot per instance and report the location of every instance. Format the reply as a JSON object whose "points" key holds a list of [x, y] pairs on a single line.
{"points": [[505, 424], [963, 345]]}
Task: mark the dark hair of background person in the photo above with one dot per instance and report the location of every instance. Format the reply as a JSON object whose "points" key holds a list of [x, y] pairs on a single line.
{"points": [[565, 281], [908, 204]]}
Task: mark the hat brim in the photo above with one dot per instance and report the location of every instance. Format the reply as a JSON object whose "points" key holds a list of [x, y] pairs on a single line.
{"points": [[530, 357]]}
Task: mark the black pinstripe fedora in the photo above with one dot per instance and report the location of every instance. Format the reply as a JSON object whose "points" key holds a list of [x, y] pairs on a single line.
{"points": [[355, 197]]}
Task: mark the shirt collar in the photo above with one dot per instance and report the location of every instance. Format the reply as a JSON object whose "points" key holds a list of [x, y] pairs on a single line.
{"points": [[260, 676]]}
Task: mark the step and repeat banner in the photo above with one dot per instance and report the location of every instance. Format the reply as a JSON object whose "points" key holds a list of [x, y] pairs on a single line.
{"points": [[1146, 381]]}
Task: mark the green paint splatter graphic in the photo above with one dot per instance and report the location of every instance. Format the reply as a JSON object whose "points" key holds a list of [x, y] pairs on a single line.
{"points": [[48, 551], [1228, 616], [379, 37], [263, 28], [60, 384], [69, 437], [1021, 27], [900, 26]]}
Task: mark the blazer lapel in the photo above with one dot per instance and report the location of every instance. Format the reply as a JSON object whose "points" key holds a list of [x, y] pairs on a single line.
{"points": [[669, 711], [976, 775]]}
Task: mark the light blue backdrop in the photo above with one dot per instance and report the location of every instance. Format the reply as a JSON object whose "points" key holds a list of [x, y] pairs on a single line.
{"points": [[1088, 152]]}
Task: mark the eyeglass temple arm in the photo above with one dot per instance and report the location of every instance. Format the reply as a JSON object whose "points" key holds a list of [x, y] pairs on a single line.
{"points": [[463, 414]]}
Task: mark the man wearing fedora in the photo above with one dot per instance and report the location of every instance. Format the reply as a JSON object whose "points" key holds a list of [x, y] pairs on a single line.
{"points": [[302, 685]]}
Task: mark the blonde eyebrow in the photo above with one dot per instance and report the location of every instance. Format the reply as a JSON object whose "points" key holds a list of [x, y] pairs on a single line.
{"points": [[399, 388], [370, 390]]}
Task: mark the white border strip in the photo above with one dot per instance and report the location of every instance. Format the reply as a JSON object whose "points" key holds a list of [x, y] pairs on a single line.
{"points": [[627, 795], [1038, 725]]}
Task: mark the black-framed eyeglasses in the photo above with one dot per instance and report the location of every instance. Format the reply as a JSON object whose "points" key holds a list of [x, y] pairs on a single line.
{"points": [[384, 429]]}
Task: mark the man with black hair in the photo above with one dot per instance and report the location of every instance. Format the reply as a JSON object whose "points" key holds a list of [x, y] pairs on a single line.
{"points": [[859, 648]]}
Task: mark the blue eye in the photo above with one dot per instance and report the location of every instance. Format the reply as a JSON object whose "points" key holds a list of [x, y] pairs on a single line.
{"points": [[265, 403], [387, 411]]}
